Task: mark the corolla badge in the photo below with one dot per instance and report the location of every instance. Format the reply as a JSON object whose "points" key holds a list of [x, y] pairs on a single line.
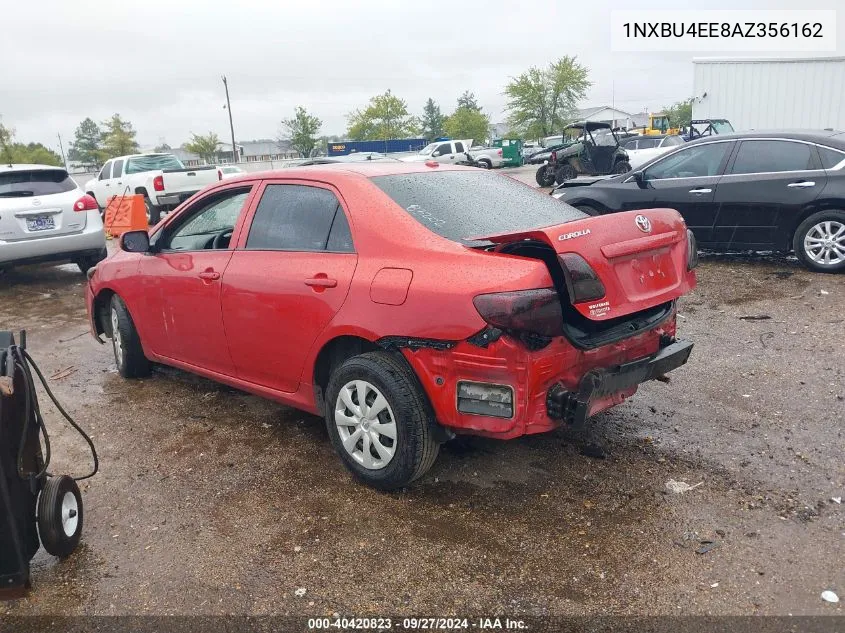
{"points": [[643, 223]]}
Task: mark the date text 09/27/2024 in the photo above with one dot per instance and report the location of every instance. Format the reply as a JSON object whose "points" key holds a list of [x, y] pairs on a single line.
{"points": [[415, 624]]}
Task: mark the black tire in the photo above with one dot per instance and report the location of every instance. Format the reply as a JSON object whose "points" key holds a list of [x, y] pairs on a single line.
{"points": [[545, 176], [485, 164], [809, 227], [60, 516], [153, 212], [585, 208], [565, 172], [414, 448], [88, 262], [622, 167], [128, 353]]}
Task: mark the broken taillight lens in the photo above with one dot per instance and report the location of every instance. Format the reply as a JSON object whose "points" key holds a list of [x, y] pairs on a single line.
{"points": [[582, 282], [537, 311]]}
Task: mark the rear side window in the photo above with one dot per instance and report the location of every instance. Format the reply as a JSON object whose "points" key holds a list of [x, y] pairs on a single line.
{"points": [[459, 205], [35, 182], [459, 147], [117, 169], [771, 156], [298, 218], [830, 157]]}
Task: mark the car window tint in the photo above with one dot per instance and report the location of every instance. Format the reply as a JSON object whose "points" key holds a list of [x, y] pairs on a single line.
{"points": [[293, 218], [213, 217], [444, 149], [459, 205], [105, 172], [670, 141], [459, 147], [698, 160], [340, 237], [830, 157], [632, 144], [117, 169], [648, 143], [24, 183], [771, 156]]}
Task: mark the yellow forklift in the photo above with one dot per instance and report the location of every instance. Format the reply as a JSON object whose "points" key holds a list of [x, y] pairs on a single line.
{"points": [[658, 123]]}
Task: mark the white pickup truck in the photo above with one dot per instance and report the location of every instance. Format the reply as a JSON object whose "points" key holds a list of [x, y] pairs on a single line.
{"points": [[161, 178], [452, 152]]}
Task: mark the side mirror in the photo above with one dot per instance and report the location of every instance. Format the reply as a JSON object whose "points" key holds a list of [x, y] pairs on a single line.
{"points": [[135, 242], [639, 178]]}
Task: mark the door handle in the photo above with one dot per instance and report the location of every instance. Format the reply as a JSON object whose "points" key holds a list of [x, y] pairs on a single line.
{"points": [[321, 282], [701, 191], [209, 275], [802, 184]]}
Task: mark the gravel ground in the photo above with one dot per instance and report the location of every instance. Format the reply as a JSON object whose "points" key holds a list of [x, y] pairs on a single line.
{"points": [[211, 501]]}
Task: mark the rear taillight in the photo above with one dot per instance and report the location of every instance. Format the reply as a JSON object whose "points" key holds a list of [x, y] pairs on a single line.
{"points": [[537, 311], [158, 183], [85, 203], [692, 251], [219, 174], [582, 282]]}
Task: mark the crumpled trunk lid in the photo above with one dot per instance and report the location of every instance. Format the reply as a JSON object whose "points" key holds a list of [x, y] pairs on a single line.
{"points": [[641, 258]]}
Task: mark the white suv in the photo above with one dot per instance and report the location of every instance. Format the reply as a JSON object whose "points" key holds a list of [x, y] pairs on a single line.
{"points": [[45, 216]]}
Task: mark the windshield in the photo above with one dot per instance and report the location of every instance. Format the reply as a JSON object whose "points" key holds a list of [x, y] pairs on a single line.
{"points": [[152, 162], [722, 126], [35, 182], [425, 151], [461, 204]]}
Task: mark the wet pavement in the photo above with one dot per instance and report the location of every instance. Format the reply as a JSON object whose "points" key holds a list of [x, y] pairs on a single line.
{"points": [[212, 501]]}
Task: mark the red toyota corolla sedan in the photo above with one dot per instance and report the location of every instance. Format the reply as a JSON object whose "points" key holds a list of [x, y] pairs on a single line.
{"points": [[404, 302]]}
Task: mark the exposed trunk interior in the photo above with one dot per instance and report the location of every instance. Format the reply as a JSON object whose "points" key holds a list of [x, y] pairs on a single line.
{"points": [[581, 331]]}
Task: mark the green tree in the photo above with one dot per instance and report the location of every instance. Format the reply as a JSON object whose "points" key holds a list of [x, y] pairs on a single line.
{"points": [[205, 147], [301, 131], [432, 121], [466, 123], [87, 144], [30, 153], [542, 100], [6, 136], [680, 113], [467, 100], [118, 137], [384, 118]]}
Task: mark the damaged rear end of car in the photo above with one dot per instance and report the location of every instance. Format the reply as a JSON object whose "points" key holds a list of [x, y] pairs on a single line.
{"points": [[601, 321]]}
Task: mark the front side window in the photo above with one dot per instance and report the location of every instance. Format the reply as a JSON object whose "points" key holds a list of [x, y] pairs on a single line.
{"points": [[692, 162], [299, 218], [105, 172], [756, 157], [209, 226], [444, 149]]}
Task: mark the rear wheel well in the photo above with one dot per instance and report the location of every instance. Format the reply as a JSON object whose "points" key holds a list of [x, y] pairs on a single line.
{"points": [[102, 306], [333, 354], [142, 191]]}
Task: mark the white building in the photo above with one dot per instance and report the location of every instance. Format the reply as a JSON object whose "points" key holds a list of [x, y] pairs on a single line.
{"points": [[771, 93]]}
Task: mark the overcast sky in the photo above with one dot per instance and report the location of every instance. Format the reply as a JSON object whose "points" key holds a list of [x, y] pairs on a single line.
{"points": [[158, 63]]}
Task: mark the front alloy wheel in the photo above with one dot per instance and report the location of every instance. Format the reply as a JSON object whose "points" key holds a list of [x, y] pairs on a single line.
{"points": [[365, 424]]}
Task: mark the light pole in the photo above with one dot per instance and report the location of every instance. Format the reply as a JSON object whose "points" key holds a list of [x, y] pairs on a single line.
{"points": [[231, 125]]}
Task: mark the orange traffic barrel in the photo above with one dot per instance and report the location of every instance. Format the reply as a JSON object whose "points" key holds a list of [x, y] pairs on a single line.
{"points": [[125, 213]]}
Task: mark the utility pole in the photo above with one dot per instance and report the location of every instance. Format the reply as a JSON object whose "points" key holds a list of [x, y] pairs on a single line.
{"points": [[62, 149], [231, 125]]}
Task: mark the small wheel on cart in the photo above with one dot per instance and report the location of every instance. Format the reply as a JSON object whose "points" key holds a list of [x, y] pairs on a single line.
{"points": [[60, 516]]}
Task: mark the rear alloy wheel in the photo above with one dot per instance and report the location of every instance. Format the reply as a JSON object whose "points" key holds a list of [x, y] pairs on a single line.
{"points": [[622, 167], [380, 421], [565, 172], [545, 176], [128, 353], [819, 241]]}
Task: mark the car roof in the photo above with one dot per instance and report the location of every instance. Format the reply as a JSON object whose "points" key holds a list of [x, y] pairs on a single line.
{"points": [[589, 125], [834, 138], [27, 167]]}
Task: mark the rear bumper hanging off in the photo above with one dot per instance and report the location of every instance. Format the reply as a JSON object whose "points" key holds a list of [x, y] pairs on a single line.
{"points": [[574, 407]]}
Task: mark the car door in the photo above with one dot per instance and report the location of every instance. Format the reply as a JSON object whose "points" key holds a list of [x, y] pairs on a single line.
{"points": [[287, 281], [686, 181], [444, 153], [768, 183], [182, 280], [102, 188], [116, 182]]}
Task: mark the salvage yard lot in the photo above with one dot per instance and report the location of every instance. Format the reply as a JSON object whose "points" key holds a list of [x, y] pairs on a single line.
{"points": [[213, 501]]}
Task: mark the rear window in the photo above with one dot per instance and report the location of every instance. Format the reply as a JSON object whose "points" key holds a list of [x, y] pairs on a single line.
{"points": [[152, 163], [462, 204], [36, 182]]}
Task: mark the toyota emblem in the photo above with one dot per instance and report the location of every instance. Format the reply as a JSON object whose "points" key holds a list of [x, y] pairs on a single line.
{"points": [[643, 223]]}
